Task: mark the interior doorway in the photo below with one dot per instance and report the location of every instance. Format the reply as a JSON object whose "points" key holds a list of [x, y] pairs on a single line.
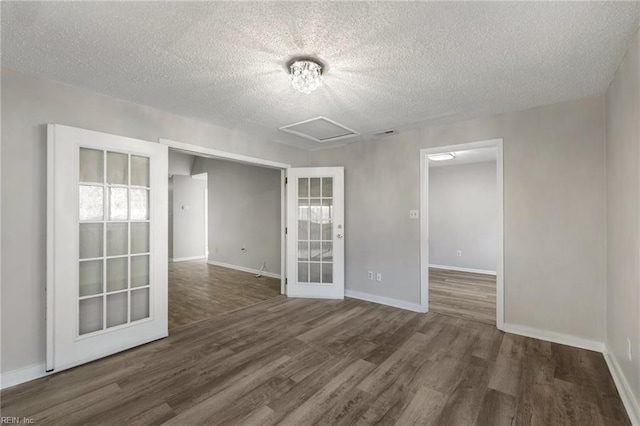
{"points": [[461, 231], [224, 236]]}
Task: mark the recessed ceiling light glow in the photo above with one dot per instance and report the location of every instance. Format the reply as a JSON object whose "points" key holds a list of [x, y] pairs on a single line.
{"points": [[442, 157], [306, 76]]}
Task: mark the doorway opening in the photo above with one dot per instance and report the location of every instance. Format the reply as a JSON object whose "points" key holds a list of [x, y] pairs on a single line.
{"points": [[224, 236], [461, 231]]}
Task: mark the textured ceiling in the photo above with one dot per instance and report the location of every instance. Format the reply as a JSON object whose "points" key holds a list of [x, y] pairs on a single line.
{"points": [[390, 64]]}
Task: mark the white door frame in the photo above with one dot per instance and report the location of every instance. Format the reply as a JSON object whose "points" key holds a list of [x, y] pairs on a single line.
{"points": [[202, 151], [424, 220]]}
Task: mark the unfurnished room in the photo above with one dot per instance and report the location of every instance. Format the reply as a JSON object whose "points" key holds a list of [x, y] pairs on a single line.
{"points": [[331, 213]]}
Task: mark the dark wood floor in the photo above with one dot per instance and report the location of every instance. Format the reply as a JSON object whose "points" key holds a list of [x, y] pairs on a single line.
{"points": [[198, 291], [302, 362], [463, 295]]}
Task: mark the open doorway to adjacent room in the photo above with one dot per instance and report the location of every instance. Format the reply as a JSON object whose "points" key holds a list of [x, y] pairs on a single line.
{"points": [[463, 218], [224, 236]]}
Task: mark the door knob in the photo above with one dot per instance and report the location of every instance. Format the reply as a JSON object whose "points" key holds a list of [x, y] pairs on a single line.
{"points": [[339, 235]]}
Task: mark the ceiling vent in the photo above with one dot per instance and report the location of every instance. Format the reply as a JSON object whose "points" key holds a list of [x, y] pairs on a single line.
{"points": [[385, 133], [320, 130]]}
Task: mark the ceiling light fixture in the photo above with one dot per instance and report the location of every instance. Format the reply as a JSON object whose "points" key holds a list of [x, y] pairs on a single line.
{"points": [[306, 76], [442, 157]]}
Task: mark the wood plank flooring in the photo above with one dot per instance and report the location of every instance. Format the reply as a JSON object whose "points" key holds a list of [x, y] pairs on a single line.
{"points": [[198, 291], [303, 362], [463, 295]]}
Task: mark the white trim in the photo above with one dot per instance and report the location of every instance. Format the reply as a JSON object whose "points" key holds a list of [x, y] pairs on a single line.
{"points": [[243, 269], [396, 303], [424, 220], [22, 375], [51, 259], [554, 337], [283, 227], [313, 296], [186, 259], [458, 268], [626, 394], [221, 155]]}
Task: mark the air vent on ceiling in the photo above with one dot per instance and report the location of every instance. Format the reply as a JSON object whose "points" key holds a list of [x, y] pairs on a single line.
{"points": [[320, 130], [385, 133]]}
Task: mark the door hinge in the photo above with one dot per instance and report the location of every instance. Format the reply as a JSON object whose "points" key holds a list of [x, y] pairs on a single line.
{"points": [[286, 231], [286, 281], [286, 180]]}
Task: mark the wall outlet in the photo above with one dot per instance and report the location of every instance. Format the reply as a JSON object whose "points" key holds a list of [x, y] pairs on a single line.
{"points": [[629, 352], [459, 253], [414, 214], [370, 275], [379, 277]]}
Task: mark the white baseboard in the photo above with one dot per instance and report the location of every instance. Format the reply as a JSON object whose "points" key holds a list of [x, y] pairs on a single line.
{"points": [[629, 400], [243, 269], [457, 268], [22, 375], [186, 259], [402, 304], [554, 337]]}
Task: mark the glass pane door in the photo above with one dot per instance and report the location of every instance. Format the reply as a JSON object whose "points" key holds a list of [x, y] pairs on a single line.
{"points": [[113, 240], [315, 230]]}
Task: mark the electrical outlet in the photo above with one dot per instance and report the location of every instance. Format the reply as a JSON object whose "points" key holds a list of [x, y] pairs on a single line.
{"points": [[629, 352], [370, 275], [459, 253], [379, 277], [413, 214]]}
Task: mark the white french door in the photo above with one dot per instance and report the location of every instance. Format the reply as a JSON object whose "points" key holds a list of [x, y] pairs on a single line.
{"points": [[315, 232], [106, 244]]}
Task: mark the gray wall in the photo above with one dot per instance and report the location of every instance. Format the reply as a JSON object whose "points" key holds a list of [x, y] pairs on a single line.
{"points": [[463, 216], [189, 232], [244, 209], [180, 163], [623, 213], [28, 103], [554, 214]]}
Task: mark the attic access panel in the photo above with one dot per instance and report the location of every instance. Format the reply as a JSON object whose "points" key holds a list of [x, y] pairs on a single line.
{"points": [[320, 129]]}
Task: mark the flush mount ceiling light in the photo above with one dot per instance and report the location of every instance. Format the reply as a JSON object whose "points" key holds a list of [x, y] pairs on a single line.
{"points": [[306, 75], [442, 157]]}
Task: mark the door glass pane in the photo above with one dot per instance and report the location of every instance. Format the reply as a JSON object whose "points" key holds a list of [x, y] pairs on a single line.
{"points": [[91, 202], [303, 209], [139, 204], [139, 237], [117, 244], [315, 251], [118, 204], [303, 187], [117, 168], [91, 240], [91, 166], [327, 273], [90, 277], [139, 304], [327, 231], [139, 271], [327, 252], [316, 210], [327, 187], [139, 171], [303, 272], [327, 209], [314, 272], [303, 230], [117, 309], [314, 187], [117, 271], [303, 250], [90, 315]]}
